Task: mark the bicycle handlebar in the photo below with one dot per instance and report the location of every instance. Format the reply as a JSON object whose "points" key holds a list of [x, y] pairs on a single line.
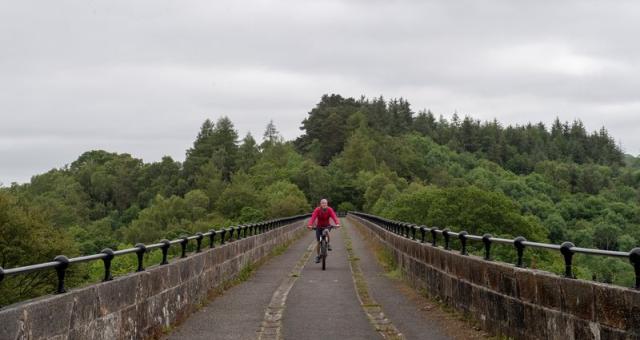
{"points": [[329, 227]]}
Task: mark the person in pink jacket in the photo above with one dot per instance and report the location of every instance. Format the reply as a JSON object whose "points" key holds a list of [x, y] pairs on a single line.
{"points": [[322, 216]]}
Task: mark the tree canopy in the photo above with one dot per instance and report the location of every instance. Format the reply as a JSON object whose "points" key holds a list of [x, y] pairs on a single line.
{"points": [[549, 184]]}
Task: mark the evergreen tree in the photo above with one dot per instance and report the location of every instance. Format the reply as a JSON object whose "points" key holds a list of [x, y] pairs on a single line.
{"points": [[248, 153], [201, 151], [271, 135]]}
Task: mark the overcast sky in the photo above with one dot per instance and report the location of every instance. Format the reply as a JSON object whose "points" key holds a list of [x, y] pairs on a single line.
{"points": [[141, 76]]}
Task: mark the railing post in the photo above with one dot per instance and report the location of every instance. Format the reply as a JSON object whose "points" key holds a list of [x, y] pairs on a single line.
{"points": [[517, 242], [61, 268], [183, 245], [212, 238], [434, 237], [107, 263], [413, 231], [165, 249], [1, 274], [199, 241], [422, 232], [140, 252], [565, 249], [634, 258], [462, 236], [223, 231], [445, 234], [486, 239]]}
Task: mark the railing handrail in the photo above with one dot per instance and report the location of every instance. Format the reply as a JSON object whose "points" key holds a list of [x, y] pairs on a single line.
{"points": [[61, 262], [567, 249]]}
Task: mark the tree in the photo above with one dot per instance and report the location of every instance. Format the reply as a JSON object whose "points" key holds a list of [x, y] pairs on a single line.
{"points": [[357, 154], [201, 151], [271, 135], [26, 238], [284, 199], [248, 153], [240, 194], [325, 127], [224, 140], [605, 236], [216, 143]]}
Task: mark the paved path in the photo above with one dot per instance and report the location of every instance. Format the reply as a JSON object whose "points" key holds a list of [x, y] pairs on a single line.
{"points": [[324, 304], [238, 313], [317, 304]]}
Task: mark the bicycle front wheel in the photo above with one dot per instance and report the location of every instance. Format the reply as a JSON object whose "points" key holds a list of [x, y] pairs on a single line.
{"points": [[323, 253]]}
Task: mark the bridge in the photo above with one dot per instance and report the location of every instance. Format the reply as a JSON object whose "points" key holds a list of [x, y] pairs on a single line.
{"points": [[259, 281]]}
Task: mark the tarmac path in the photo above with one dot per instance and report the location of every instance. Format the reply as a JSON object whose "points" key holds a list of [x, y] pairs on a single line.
{"points": [[291, 297]]}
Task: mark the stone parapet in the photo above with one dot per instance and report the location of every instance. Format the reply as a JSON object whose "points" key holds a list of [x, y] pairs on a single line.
{"points": [[511, 301], [140, 305]]}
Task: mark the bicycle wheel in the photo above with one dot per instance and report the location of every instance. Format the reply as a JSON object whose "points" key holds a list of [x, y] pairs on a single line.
{"points": [[323, 253]]}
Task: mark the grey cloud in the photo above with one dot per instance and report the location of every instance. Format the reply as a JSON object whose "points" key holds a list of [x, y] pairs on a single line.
{"points": [[140, 77]]}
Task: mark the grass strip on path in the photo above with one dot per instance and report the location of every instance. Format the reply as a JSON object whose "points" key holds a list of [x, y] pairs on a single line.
{"points": [[373, 310]]}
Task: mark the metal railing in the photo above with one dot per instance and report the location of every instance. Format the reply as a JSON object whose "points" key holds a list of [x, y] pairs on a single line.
{"points": [[60, 263], [567, 249]]}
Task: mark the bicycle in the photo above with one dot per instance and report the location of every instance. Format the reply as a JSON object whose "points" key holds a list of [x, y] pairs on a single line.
{"points": [[324, 245]]}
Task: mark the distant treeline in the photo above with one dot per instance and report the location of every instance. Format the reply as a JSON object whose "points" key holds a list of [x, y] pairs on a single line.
{"points": [[516, 148], [374, 155]]}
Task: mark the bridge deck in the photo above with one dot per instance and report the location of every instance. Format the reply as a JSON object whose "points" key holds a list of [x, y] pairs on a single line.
{"points": [[291, 297]]}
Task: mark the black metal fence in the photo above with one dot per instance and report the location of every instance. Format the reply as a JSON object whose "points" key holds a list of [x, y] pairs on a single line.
{"points": [[566, 249], [61, 263]]}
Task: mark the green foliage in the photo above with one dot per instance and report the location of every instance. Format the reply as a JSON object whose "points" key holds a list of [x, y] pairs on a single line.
{"points": [[167, 216], [284, 199], [467, 208], [27, 238], [547, 184], [240, 194]]}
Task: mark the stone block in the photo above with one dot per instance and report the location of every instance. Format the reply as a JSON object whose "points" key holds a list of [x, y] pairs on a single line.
{"points": [[526, 285], [548, 291], [614, 334], [462, 295], [559, 325], [477, 271], [515, 316], [502, 279], [186, 269], [535, 321], [611, 307], [586, 330], [152, 281], [117, 294], [85, 307], [49, 317], [577, 298], [198, 263], [12, 323], [632, 299], [107, 327]]}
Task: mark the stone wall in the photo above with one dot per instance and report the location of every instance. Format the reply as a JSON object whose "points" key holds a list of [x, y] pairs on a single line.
{"points": [[139, 305], [514, 302]]}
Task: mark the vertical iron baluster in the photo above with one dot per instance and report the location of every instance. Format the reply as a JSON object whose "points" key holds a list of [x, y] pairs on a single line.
{"points": [[140, 252], [107, 263]]}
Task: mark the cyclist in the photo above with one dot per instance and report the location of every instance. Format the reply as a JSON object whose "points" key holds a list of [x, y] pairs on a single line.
{"points": [[322, 215]]}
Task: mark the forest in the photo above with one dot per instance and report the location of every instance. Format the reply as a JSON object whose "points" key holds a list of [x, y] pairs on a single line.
{"points": [[547, 183]]}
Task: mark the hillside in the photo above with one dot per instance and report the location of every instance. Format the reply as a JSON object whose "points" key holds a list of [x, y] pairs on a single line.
{"points": [[549, 184]]}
